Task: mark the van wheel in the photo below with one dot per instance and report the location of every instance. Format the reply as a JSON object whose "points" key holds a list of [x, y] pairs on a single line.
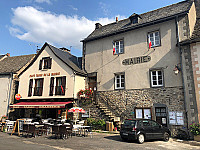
{"points": [[166, 137], [141, 138]]}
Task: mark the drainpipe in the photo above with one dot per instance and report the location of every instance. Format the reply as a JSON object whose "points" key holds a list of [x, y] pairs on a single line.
{"points": [[184, 90], [9, 97]]}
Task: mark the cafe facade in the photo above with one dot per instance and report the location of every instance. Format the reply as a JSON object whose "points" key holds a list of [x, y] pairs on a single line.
{"points": [[48, 86], [135, 65]]}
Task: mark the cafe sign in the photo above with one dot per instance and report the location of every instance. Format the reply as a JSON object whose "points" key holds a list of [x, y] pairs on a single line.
{"points": [[136, 60]]}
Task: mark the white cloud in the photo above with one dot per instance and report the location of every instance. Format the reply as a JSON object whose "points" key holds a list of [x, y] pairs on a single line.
{"points": [[43, 1], [36, 26], [72, 7], [104, 8]]}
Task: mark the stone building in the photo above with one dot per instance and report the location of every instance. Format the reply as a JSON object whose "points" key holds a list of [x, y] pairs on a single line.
{"points": [[135, 65], [10, 67]]}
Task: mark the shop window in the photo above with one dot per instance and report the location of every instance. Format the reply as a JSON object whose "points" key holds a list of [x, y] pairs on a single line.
{"points": [[38, 87], [154, 38], [143, 113], [60, 85], [45, 63], [157, 79], [118, 47], [120, 81], [30, 87]]}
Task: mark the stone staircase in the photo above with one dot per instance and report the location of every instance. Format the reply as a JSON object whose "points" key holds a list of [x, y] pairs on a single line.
{"points": [[109, 116]]}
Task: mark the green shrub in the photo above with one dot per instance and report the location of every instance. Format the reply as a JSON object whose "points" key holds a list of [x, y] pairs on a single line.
{"points": [[96, 123], [195, 128]]}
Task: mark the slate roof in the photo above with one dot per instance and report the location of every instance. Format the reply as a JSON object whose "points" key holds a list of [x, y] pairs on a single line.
{"points": [[69, 59], [148, 18], [14, 64]]}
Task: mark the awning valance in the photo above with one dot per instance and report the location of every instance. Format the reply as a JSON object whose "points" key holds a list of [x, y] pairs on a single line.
{"points": [[40, 104]]}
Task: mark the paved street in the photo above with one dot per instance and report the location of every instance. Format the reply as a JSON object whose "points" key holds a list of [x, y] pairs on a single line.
{"points": [[99, 141]]}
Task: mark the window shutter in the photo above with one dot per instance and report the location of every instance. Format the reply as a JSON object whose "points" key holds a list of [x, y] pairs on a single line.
{"points": [[63, 84], [51, 86], [41, 87], [49, 63], [30, 87], [40, 65]]}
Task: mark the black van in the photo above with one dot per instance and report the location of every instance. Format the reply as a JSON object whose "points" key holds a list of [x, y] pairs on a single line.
{"points": [[143, 129]]}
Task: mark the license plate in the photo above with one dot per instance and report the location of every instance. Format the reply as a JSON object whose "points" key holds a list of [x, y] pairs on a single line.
{"points": [[125, 133]]}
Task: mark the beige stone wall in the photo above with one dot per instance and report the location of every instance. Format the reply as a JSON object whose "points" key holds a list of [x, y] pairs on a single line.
{"points": [[99, 58], [195, 54], [79, 84], [192, 18], [57, 67]]}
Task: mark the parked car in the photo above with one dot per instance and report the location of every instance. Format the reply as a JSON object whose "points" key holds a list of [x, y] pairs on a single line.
{"points": [[143, 129]]}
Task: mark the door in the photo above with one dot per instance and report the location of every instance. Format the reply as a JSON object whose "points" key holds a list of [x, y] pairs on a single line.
{"points": [[147, 129], [157, 131], [161, 115], [93, 85]]}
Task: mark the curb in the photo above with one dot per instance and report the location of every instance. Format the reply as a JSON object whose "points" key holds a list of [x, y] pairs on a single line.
{"points": [[193, 143]]}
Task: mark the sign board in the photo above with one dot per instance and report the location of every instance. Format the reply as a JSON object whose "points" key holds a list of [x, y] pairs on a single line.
{"points": [[176, 118], [136, 60], [86, 114], [18, 126], [17, 96]]}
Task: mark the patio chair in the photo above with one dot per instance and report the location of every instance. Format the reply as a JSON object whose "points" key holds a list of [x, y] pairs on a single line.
{"points": [[32, 129], [25, 129], [89, 131], [10, 125], [55, 130], [69, 130], [63, 131]]}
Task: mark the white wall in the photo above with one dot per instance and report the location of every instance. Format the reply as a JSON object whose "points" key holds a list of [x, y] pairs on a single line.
{"points": [[5, 82], [57, 66]]}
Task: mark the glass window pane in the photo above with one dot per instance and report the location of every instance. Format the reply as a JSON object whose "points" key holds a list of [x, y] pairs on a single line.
{"points": [[159, 73], [154, 83], [153, 72], [122, 85], [160, 82]]}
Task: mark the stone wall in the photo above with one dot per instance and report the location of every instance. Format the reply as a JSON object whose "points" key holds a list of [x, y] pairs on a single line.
{"points": [[123, 102]]}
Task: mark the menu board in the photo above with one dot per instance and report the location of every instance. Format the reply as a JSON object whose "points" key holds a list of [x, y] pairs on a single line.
{"points": [[176, 118]]}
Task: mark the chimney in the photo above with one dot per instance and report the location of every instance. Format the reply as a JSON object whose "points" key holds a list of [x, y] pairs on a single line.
{"points": [[8, 54], [116, 19], [97, 26]]}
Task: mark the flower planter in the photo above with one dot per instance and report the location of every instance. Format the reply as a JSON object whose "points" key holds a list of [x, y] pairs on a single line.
{"points": [[197, 138]]}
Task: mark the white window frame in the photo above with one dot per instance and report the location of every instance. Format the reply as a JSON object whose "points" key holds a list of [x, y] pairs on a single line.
{"points": [[152, 37], [120, 50], [120, 81], [157, 80]]}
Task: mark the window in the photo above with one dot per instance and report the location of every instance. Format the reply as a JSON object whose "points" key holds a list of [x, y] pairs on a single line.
{"points": [[119, 81], [45, 63], [38, 87], [154, 37], [118, 47], [51, 86], [60, 86], [30, 87], [156, 78], [144, 113]]}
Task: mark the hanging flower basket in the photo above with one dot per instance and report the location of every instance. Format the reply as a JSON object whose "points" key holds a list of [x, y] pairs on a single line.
{"points": [[87, 93]]}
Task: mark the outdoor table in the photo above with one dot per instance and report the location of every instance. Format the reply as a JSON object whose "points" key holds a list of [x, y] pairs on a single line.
{"points": [[39, 128]]}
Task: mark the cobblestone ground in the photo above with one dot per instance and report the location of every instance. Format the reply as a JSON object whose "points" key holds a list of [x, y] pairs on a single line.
{"points": [[99, 141]]}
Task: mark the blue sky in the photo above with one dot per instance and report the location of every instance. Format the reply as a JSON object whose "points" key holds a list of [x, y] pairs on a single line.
{"points": [[26, 24]]}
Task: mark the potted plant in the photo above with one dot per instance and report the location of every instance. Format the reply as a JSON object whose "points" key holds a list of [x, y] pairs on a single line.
{"points": [[195, 129], [3, 118]]}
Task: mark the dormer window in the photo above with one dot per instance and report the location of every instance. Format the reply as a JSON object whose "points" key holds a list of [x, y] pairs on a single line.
{"points": [[45, 63], [134, 18]]}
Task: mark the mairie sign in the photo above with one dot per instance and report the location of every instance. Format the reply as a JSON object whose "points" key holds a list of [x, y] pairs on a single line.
{"points": [[136, 60]]}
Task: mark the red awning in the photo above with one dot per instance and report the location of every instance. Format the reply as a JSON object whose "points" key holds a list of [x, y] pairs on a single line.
{"points": [[40, 104]]}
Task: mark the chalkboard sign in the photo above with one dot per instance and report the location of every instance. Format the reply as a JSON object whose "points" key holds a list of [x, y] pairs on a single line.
{"points": [[18, 126]]}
